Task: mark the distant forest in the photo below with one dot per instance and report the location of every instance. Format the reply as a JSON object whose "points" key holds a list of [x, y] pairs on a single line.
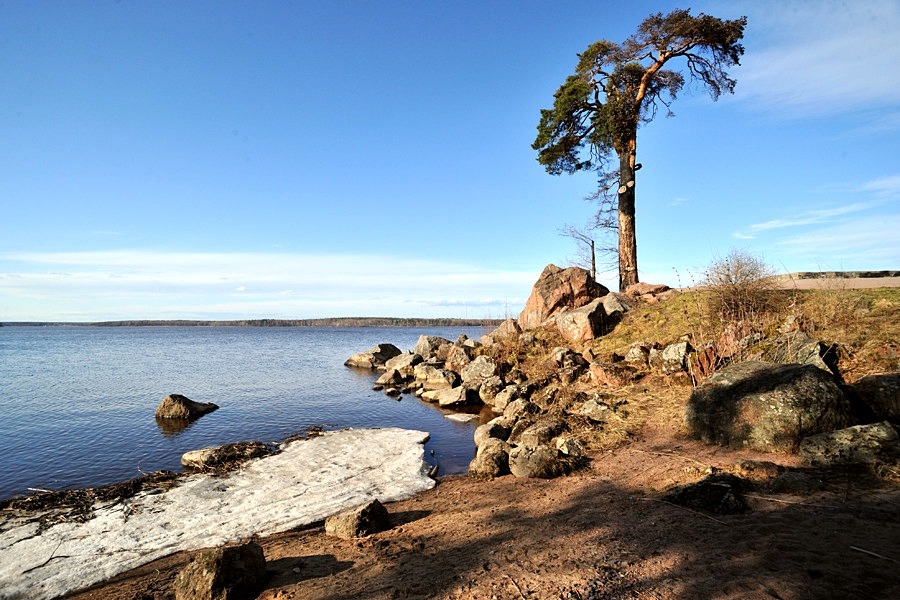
{"points": [[331, 322]]}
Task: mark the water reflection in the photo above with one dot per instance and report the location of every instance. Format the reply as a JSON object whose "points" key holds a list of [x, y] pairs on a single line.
{"points": [[173, 427]]}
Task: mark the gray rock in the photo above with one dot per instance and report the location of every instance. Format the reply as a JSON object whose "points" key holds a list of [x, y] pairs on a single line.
{"points": [[404, 362], [489, 389], [504, 397], [226, 573], [390, 378], [542, 432], [881, 395], [582, 324], [434, 378], [458, 396], [542, 462], [863, 444], [562, 357], [797, 347], [176, 406], [570, 446], [674, 357], [765, 406], [520, 408], [615, 302], [638, 354], [491, 460], [495, 428], [478, 370], [508, 330], [359, 522], [595, 410], [374, 358], [428, 346]]}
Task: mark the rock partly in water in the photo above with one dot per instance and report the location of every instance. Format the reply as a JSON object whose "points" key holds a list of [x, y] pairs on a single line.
{"points": [[434, 378], [225, 457], [227, 573], [176, 406], [365, 520], [403, 362], [556, 289], [374, 358], [449, 397], [765, 406]]}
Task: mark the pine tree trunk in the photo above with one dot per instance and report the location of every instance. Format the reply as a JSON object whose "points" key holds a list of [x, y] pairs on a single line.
{"points": [[628, 273]]}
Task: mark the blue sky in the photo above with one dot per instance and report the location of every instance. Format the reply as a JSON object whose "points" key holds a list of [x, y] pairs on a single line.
{"points": [[348, 158]]}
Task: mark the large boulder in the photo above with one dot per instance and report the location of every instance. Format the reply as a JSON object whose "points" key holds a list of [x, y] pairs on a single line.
{"points": [[491, 460], [537, 461], [227, 573], [367, 519], [374, 358], [857, 444], [582, 324], [176, 406], [556, 289], [881, 395], [766, 407], [542, 432]]}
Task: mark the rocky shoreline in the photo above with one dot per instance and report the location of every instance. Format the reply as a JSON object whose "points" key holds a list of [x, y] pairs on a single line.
{"points": [[726, 432]]}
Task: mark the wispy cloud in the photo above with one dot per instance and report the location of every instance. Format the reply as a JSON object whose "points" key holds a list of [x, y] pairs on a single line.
{"points": [[811, 217], [822, 57], [146, 284], [862, 243]]}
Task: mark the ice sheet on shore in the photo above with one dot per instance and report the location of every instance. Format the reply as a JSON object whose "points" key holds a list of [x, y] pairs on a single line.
{"points": [[308, 481]]}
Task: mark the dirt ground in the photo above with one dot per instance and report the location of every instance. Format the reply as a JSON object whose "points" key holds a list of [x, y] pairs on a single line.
{"points": [[603, 532]]}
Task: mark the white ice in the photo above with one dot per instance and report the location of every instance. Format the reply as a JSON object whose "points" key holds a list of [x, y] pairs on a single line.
{"points": [[308, 481]]}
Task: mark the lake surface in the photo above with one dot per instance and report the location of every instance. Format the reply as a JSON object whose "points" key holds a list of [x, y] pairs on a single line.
{"points": [[77, 403]]}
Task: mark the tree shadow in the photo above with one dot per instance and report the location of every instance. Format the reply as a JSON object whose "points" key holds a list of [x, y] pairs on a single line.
{"points": [[843, 543], [295, 569]]}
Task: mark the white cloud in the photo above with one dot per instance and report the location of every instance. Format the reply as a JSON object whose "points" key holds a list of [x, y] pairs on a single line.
{"points": [[865, 243], [141, 284], [822, 57]]}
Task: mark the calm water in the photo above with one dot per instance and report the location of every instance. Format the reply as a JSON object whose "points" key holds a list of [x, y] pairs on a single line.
{"points": [[77, 403]]}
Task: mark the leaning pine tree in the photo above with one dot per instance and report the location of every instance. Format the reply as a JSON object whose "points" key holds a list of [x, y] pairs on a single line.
{"points": [[615, 88]]}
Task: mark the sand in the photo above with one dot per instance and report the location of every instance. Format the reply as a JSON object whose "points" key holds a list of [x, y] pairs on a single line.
{"points": [[604, 532]]}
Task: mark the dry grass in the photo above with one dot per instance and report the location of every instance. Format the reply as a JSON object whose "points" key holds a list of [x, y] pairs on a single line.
{"points": [[864, 324]]}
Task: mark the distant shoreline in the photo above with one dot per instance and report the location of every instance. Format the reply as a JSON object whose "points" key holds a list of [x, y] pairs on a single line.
{"points": [[325, 322]]}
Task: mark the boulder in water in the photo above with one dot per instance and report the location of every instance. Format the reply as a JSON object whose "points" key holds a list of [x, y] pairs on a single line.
{"points": [[176, 406]]}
